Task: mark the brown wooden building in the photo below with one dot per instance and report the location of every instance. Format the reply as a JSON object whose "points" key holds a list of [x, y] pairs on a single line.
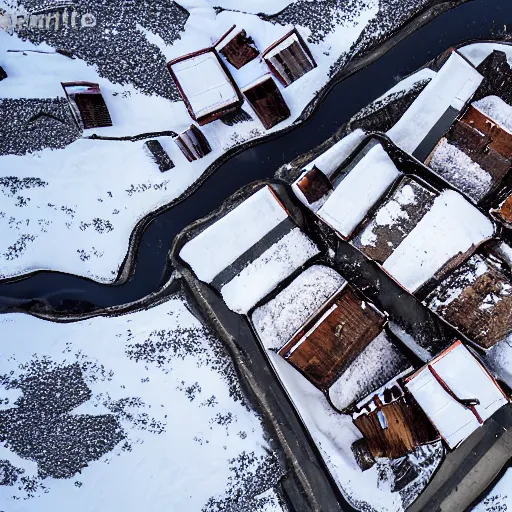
{"points": [[193, 143], [206, 85], [289, 58], [477, 299], [267, 101], [87, 104], [484, 141], [237, 48], [392, 427], [330, 341], [314, 185]]}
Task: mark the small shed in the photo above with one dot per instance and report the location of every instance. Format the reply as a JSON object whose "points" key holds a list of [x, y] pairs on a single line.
{"points": [[3, 74], [330, 341], [87, 104], [206, 85], [392, 423], [267, 101], [477, 299], [289, 58], [314, 185], [457, 393], [159, 155], [193, 143], [237, 48]]}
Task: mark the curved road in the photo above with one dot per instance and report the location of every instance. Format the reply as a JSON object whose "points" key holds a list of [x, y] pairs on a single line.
{"points": [[478, 19]]}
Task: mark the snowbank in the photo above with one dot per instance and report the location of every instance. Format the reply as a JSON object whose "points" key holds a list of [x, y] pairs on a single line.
{"points": [[451, 228], [277, 321]]}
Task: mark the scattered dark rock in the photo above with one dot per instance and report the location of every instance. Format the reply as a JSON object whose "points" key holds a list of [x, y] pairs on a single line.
{"points": [[41, 429]]}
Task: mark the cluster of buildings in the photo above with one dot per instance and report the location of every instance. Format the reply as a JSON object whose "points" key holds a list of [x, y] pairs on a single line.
{"points": [[213, 86], [212, 82], [430, 203]]}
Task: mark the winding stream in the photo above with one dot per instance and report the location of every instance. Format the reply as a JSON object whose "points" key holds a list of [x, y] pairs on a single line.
{"points": [[478, 19]]}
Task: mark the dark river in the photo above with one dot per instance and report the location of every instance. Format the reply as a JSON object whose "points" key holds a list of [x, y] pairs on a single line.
{"points": [[478, 19]]}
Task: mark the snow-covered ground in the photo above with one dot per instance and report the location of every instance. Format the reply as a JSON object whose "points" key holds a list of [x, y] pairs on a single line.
{"points": [[73, 209], [135, 412], [499, 498]]}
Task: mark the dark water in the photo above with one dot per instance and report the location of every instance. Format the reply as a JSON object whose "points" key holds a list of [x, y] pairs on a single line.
{"points": [[479, 19]]}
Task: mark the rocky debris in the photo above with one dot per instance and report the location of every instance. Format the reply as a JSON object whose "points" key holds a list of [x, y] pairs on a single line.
{"points": [[321, 16], [35, 124], [41, 428]]}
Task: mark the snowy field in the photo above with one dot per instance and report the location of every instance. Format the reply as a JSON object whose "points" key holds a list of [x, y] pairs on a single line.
{"points": [[500, 497], [73, 208], [137, 412]]}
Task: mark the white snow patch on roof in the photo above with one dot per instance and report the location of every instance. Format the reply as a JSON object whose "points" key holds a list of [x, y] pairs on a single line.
{"points": [[205, 83], [467, 379], [452, 227], [379, 362], [458, 169], [363, 186], [279, 319], [261, 276], [495, 108], [222, 243], [453, 86], [477, 52]]}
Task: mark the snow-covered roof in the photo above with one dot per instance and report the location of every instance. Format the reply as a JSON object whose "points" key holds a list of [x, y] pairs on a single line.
{"points": [[283, 45], [495, 108], [377, 364], [451, 228], [460, 170], [330, 160], [263, 274], [450, 89], [279, 319], [440, 387], [205, 83], [228, 37], [222, 243], [238, 237], [359, 190]]}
